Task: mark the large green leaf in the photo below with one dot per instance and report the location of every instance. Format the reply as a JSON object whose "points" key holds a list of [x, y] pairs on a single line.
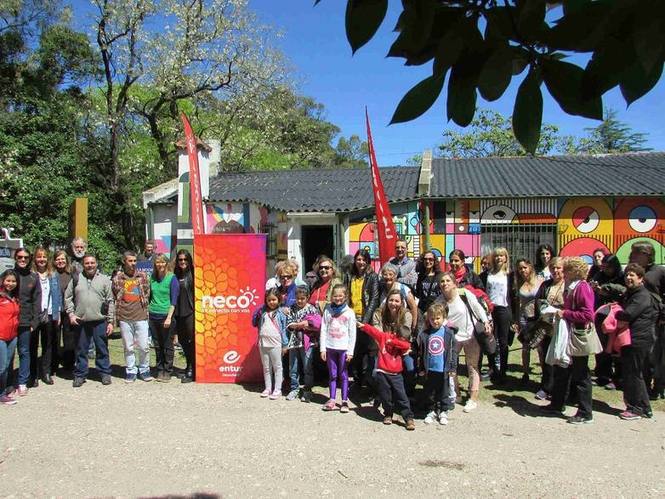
{"points": [[636, 82], [606, 67], [418, 100], [363, 18], [531, 17], [649, 41], [496, 73], [447, 53], [461, 103], [581, 28], [528, 112], [564, 82]]}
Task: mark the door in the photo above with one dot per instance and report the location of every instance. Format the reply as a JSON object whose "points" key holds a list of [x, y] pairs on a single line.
{"points": [[316, 240]]}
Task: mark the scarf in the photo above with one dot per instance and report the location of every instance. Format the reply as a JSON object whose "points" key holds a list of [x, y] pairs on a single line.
{"points": [[460, 273], [337, 309]]}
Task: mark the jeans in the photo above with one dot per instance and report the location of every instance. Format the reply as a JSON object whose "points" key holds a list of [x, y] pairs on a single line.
{"points": [[44, 334], [438, 385], [135, 334], [185, 330], [162, 338], [578, 375], [63, 354], [6, 355], [634, 361], [409, 374], [89, 332], [23, 348], [502, 321], [392, 394], [299, 357]]}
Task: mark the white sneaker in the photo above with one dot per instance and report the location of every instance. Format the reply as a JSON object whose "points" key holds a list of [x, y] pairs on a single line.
{"points": [[470, 405], [293, 394], [430, 418], [443, 418], [541, 394]]}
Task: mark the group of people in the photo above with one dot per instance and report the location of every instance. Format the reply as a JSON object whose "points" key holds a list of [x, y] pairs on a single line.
{"points": [[413, 319], [386, 331], [65, 303]]}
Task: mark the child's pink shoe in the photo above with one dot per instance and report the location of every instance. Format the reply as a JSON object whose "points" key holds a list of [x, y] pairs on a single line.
{"points": [[265, 393], [275, 395], [330, 405]]}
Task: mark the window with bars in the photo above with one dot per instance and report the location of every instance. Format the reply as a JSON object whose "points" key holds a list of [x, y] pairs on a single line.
{"points": [[271, 239], [521, 240]]}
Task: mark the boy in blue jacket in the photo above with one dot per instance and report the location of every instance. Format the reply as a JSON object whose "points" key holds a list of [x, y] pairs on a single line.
{"points": [[439, 357]]}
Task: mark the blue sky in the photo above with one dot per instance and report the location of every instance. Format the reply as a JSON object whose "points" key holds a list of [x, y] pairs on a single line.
{"points": [[315, 42]]}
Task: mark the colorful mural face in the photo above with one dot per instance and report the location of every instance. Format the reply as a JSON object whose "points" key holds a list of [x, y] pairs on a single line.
{"points": [[581, 225]]}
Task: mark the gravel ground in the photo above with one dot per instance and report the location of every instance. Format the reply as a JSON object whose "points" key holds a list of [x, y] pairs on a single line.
{"points": [[150, 439]]}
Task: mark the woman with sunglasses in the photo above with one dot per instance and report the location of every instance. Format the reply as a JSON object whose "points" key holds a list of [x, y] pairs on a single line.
{"points": [[184, 311], [325, 281], [287, 284]]}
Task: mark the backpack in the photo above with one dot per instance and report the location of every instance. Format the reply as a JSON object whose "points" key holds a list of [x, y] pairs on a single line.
{"points": [[483, 299]]}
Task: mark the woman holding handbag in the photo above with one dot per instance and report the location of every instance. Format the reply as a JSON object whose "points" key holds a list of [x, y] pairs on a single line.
{"points": [[578, 313], [464, 312]]}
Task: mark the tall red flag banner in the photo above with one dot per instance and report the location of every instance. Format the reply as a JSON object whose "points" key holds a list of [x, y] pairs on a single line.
{"points": [[229, 277], [384, 219], [196, 201]]}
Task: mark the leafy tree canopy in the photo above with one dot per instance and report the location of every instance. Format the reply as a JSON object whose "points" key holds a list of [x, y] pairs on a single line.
{"points": [[482, 44]]}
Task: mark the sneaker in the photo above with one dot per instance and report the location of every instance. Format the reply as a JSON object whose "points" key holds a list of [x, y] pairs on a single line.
{"points": [[78, 382], [330, 405], [22, 390], [106, 379], [345, 408], [541, 394], [388, 420], [265, 393], [470, 405], [293, 394], [410, 424], [275, 395], [7, 400], [131, 377], [146, 376], [629, 416], [443, 418], [163, 378], [430, 418], [580, 420], [306, 396]]}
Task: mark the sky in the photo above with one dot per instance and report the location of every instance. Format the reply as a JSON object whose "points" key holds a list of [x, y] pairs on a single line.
{"points": [[314, 41]]}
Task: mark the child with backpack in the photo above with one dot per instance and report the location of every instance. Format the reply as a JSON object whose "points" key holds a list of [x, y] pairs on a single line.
{"points": [[302, 328], [338, 339], [439, 358]]}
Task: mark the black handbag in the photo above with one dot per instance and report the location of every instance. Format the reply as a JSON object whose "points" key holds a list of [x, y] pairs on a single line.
{"points": [[486, 341]]}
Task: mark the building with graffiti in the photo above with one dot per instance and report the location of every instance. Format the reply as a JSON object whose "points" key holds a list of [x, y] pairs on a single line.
{"points": [[575, 203]]}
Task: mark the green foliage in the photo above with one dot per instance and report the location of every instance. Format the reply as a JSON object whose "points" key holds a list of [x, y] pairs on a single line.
{"points": [[491, 135], [625, 40], [611, 136]]}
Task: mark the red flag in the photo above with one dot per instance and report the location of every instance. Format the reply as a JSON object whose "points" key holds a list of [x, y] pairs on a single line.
{"points": [[196, 203], [384, 219]]}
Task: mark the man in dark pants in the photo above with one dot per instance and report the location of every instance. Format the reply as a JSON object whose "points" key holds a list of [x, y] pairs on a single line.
{"points": [[640, 314], [30, 299], [90, 307]]}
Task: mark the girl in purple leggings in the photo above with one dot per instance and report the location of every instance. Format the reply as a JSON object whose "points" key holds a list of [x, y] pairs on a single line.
{"points": [[338, 339]]}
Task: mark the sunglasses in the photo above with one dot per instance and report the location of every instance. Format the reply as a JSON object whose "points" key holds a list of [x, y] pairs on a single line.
{"points": [[22, 257], [182, 259], [428, 259], [325, 267], [286, 277]]}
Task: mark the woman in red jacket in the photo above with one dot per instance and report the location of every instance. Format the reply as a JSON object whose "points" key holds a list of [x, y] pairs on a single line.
{"points": [[9, 310]]}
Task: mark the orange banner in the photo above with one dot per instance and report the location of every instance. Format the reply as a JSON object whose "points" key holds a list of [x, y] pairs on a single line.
{"points": [[229, 274]]}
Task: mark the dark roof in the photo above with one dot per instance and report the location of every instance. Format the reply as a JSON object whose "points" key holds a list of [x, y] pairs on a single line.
{"points": [[637, 174], [314, 190], [330, 190]]}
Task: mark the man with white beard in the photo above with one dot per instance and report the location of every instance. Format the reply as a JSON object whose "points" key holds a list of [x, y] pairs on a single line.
{"points": [[78, 247]]}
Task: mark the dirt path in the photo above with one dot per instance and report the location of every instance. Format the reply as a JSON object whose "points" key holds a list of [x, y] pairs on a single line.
{"points": [[150, 439]]}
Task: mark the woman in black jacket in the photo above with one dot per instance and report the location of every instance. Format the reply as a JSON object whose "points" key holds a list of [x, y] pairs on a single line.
{"points": [[427, 285], [640, 314], [184, 311], [363, 286]]}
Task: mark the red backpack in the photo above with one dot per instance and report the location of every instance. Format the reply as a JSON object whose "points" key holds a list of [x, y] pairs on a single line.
{"points": [[482, 297]]}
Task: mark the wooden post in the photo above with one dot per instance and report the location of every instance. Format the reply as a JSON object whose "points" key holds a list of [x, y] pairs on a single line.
{"points": [[78, 218]]}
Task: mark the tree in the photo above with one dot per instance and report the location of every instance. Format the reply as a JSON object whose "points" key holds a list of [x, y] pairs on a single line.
{"points": [[625, 40], [351, 153], [491, 135], [611, 136]]}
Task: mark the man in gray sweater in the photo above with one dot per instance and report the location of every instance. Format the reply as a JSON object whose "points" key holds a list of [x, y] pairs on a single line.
{"points": [[89, 303]]}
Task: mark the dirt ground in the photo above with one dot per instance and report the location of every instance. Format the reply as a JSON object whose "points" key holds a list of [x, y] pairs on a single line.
{"points": [[152, 439]]}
